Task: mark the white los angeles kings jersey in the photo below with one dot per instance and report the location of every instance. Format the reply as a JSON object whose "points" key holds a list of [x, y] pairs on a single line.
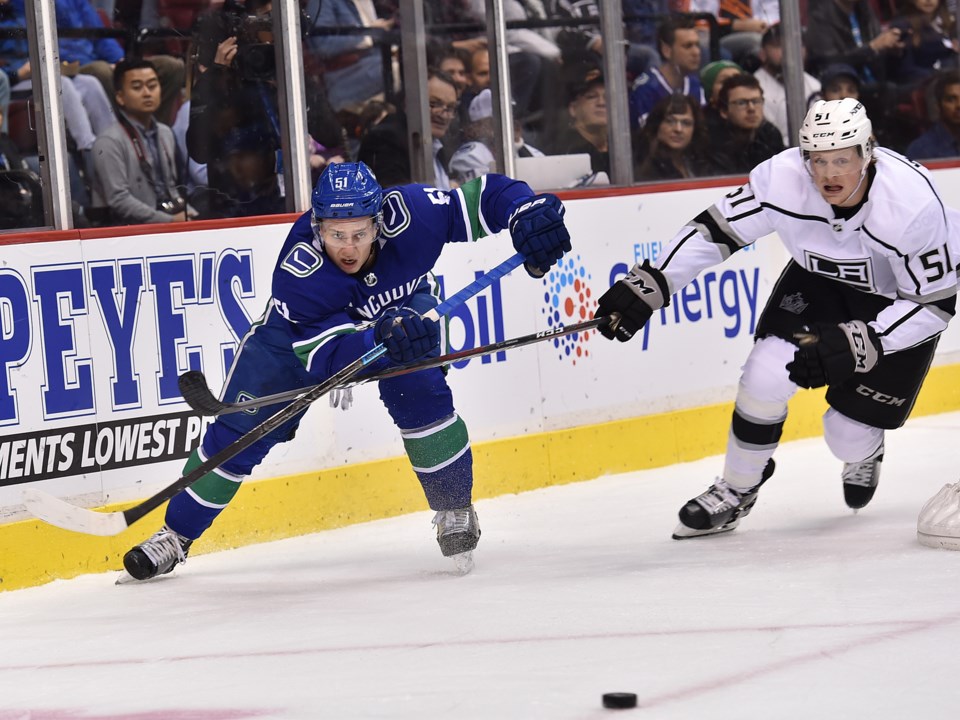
{"points": [[902, 243]]}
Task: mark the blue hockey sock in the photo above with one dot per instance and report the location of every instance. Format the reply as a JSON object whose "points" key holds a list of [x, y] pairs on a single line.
{"points": [[192, 511], [441, 456]]}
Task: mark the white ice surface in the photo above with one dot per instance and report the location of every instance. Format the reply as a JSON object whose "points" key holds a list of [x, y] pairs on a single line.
{"points": [[806, 611]]}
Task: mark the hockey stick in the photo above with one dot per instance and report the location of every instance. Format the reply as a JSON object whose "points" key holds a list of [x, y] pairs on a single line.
{"points": [[57, 511], [194, 388]]}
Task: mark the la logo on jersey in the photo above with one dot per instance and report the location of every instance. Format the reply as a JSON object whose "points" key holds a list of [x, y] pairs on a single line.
{"points": [[856, 272]]}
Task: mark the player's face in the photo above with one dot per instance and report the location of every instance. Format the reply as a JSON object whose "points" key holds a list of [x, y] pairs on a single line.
{"points": [[837, 174], [676, 131], [348, 242]]}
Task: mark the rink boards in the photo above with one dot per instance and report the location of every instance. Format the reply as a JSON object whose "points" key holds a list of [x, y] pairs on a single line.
{"points": [[95, 331]]}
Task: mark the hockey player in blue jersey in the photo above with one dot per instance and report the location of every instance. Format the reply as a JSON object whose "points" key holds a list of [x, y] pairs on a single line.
{"points": [[355, 271]]}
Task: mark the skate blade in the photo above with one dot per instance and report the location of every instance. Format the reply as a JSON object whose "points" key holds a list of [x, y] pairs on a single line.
{"points": [[126, 578], [463, 562], [683, 532]]}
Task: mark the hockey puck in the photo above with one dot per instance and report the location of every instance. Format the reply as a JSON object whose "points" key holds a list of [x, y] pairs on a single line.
{"points": [[619, 701]]}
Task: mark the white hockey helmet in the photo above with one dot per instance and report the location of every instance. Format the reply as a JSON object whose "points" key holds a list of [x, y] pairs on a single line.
{"points": [[837, 124]]}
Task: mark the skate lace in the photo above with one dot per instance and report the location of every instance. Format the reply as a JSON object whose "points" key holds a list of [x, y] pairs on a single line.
{"points": [[452, 521], [861, 473], [719, 496], [163, 548]]}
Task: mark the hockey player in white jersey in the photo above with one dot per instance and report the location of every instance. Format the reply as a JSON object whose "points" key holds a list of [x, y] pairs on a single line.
{"points": [[859, 308]]}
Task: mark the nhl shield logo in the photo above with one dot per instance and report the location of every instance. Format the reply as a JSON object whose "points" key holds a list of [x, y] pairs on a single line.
{"points": [[837, 227], [793, 303], [370, 280]]}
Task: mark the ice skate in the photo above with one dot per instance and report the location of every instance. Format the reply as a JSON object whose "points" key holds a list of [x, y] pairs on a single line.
{"points": [[860, 480], [719, 509], [458, 532], [157, 555]]}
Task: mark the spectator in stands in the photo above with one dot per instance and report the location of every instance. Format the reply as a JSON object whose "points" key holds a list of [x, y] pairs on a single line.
{"points": [[679, 46], [587, 111], [929, 31], [943, 139], [848, 31], [353, 64], [712, 76], [385, 148], [97, 56], [21, 200], [770, 76], [673, 141], [4, 99], [838, 81], [578, 43], [641, 18], [740, 30], [475, 156], [234, 123], [87, 111], [136, 168], [455, 62], [745, 138]]}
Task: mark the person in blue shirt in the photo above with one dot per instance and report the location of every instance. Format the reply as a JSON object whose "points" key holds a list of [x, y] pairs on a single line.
{"points": [[943, 139], [97, 56], [679, 44], [356, 271]]}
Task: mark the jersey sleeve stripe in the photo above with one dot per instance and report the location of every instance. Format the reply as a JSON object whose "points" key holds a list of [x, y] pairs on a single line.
{"points": [[668, 258], [306, 349]]}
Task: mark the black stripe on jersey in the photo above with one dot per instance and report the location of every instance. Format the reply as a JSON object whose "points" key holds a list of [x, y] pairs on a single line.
{"points": [[792, 214], [947, 305], [717, 235], [663, 265], [900, 255], [916, 168], [743, 200], [901, 321]]}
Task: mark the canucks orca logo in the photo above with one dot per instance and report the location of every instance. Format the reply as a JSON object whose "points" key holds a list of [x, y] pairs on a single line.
{"points": [[302, 260], [568, 301]]}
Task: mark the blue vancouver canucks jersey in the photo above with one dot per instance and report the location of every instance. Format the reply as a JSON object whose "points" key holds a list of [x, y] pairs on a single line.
{"points": [[327, 312]]}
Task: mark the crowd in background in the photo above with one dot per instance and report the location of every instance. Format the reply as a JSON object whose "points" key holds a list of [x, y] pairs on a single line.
{"points": [[172, 114]]}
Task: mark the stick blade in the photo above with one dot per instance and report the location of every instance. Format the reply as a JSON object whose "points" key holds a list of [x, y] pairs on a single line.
{"points": [[193, 387], [58, 512]]}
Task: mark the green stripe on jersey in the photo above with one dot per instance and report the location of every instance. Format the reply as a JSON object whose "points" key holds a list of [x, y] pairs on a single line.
{"points": [[304, 349], [472, 192], [437, 448], [211, 488]]}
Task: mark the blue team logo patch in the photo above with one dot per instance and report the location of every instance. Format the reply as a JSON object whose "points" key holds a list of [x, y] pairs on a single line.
{"points": [[302, 260]]}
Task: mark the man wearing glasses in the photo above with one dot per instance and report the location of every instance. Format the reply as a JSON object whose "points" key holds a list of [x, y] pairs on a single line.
{"points": [[744, 138], [384, 148]]}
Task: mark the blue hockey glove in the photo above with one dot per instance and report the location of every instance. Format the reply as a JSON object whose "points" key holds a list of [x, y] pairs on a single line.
{"points": [[407, 335], [832, 354], [539, 234], [633, 299]]}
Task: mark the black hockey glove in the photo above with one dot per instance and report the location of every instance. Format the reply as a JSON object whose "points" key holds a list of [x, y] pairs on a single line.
{"points": [[407, 335], [643, 290], [832, 354], [539, 234]]}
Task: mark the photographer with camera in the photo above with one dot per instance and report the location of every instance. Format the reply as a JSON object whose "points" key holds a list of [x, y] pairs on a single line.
{"points": [[234, 96], [136, 170], [234, 126]]}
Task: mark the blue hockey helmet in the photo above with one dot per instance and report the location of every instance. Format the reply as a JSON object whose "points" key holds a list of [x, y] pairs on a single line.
{"points": [[346, 190]]}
